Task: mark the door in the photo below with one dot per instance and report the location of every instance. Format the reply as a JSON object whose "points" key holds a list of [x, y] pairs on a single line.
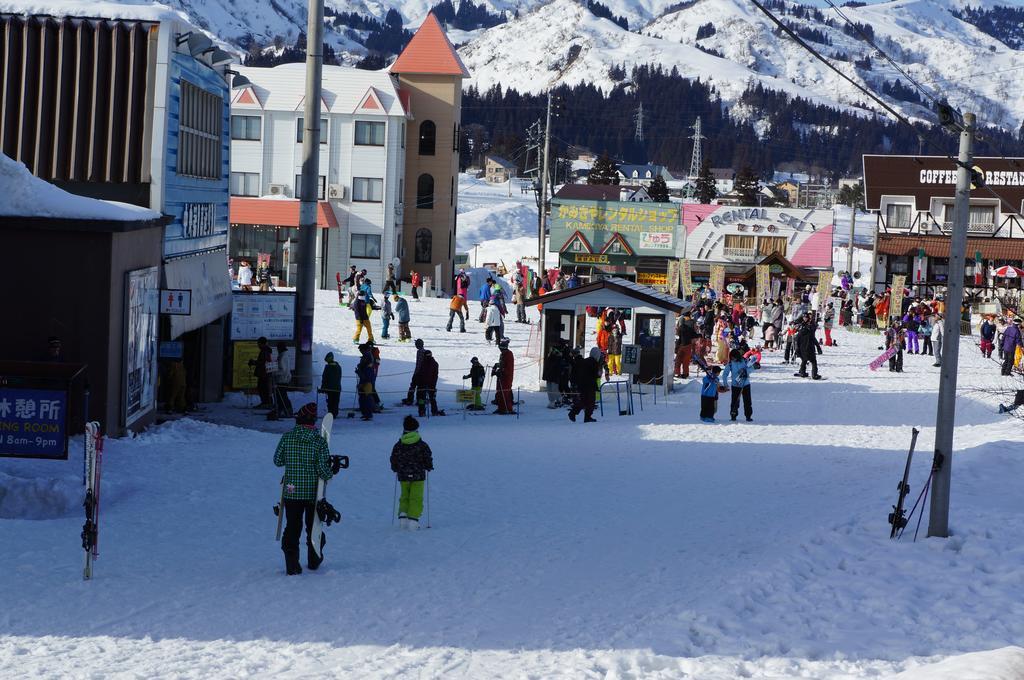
{"points": [[650, 336]]}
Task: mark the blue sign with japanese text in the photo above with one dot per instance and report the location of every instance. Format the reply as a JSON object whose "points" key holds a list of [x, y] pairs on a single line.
{"points": [[33, 423]]}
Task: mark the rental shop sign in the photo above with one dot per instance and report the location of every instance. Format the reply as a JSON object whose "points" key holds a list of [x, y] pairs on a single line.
{"points": [[616, 228]]}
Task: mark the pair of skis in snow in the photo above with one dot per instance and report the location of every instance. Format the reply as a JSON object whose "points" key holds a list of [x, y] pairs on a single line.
{"points": [[324, 512], [898, 517], [91, 479]]}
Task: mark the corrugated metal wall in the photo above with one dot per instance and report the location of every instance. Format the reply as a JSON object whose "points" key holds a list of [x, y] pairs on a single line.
{"points": [[73, 97]]}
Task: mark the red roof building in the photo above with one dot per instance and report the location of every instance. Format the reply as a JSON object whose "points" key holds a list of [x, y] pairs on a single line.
{"points": [[430, 53]]}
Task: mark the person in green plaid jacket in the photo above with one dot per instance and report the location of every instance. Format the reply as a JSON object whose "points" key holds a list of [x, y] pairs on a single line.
{"points": [[304, 455]]}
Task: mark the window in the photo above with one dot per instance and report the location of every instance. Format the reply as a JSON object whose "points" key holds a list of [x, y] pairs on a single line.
{"points": [[938, 268], [424, 246], [319, 193], [899, 264], [428, 138], [199, 144], [425, 192], [366, 246], [738, 241], [367, 190], [766, 245], [245, 127], [401, 191], [299, 130], [369, 134], [245, 184], [897, 215]]}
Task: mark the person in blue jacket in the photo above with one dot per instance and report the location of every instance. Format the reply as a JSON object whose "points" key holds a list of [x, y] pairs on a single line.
{"points": [[709, 394], [737, 372], [484, 295]]}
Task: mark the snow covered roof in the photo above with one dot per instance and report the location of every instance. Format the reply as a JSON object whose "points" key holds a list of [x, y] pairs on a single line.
{"points": [[130, 10], [283, 88], [648, 171], [28, 196], [627, 288]]}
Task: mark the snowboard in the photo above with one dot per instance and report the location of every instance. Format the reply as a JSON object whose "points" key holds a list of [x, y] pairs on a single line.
{"points": [[317, 532], [883, 357]]}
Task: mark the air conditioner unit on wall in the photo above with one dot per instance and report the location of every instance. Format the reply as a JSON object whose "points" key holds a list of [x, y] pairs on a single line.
{"points": [[336, 191], [278, 189]]}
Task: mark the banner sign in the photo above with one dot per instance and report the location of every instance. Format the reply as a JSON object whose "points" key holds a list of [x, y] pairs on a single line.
{"points": [[685, 279], [763, 278], [824, 289], [33, 423], [268, 315], [142, 317], [716, 280], [776, 288], [243, 377], [899, 281], [615, 227], [596, 259], [673, 277], [790, 286]]}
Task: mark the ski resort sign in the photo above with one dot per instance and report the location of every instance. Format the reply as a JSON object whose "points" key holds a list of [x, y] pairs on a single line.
{"points": [[614, 228], [33, 423]]}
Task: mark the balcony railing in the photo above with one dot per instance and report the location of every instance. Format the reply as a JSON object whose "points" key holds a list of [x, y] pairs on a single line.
{"points": [[987, 228], [739, 253]]}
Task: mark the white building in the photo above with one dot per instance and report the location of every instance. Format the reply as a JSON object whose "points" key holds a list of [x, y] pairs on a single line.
{"points": [[362, 169]]}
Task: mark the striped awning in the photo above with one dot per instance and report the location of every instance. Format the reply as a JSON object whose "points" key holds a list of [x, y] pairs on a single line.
{"points": [[277, 212]]}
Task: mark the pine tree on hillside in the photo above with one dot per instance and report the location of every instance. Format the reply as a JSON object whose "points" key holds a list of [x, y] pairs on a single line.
{"points": [[747, 186], [705, 184], [605, 171], [658, 191], [852, 195]]}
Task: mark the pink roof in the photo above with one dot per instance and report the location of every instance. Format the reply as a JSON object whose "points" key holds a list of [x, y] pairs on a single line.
{"points": [[430, 52], [695, 213], [816, 251]]}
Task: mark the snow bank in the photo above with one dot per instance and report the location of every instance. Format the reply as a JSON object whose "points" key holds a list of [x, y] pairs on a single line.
{"points": [[998, 664], [138, 10], [28, 196], [39, 497]]}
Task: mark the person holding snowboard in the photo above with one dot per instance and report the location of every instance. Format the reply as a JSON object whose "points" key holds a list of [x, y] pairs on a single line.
{"points": [[305, 457], [330, 383], [737, 372], [476, 383], [411, 459]]}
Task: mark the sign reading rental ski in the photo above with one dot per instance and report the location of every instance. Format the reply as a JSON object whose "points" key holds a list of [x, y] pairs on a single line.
{"points": [[740, 238]]}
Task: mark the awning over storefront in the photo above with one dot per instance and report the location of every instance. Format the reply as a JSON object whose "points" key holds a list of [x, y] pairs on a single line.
{"points": [[938, 246], [207, 276], [277, 212]]}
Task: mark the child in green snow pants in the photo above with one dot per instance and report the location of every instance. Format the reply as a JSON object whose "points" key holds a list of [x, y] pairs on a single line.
{"points": [[411, 502]]}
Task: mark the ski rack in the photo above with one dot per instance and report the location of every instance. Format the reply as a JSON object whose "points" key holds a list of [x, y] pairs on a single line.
{"points": [[618, 397]]}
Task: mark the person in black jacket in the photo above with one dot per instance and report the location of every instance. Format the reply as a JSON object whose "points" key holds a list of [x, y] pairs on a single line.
{"points": [[476, 383], [330, 383], [260, 363], [552, 373], [585, 375], [426, 385], [807, 348], [411, 459]]}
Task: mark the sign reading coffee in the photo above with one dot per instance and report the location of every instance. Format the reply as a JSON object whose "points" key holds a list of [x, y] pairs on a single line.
{"points": [[927, 177]]}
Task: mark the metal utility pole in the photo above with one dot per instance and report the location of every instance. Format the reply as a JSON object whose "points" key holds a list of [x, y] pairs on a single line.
{"points": [[543, 192], [695, 159], [305, 285], [938, 516], [849, 248]]}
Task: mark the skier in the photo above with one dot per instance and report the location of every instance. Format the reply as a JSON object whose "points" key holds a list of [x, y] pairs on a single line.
{"points": [[415, 372], [386, 316], [261, 362], [504, 371], [988, 336], [709, 394], [458, 307], [304, 455], [476, 383], [737, 375], [586, 373], [493, 322], [364, 383], [282, 376], [330, 383], [361, 308], [415, 279], [411, 459], [807, 349], [426, 385], [1012, 339], [402, 313]]}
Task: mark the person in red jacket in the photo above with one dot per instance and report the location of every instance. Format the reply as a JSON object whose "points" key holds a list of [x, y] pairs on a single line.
{"points": [[426, 385], [415, 279], [504, 371]]}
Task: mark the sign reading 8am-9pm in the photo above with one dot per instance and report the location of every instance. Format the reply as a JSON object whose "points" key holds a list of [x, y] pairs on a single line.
{"points": [[647, 228]]}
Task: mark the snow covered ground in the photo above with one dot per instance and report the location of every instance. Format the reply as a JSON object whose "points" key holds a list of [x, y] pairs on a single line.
{"points": [[650, 546]]}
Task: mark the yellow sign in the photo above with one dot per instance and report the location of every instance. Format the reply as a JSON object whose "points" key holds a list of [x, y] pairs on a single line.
{"points": [[824, 289], [652, 278], [763, 275], [684, 277], [896, 296], [716, 279], [242, 374], [465, 396], [586, 258]]}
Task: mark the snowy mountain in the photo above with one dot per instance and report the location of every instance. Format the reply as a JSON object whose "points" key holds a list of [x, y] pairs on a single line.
{"points": [[561, 42]]}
